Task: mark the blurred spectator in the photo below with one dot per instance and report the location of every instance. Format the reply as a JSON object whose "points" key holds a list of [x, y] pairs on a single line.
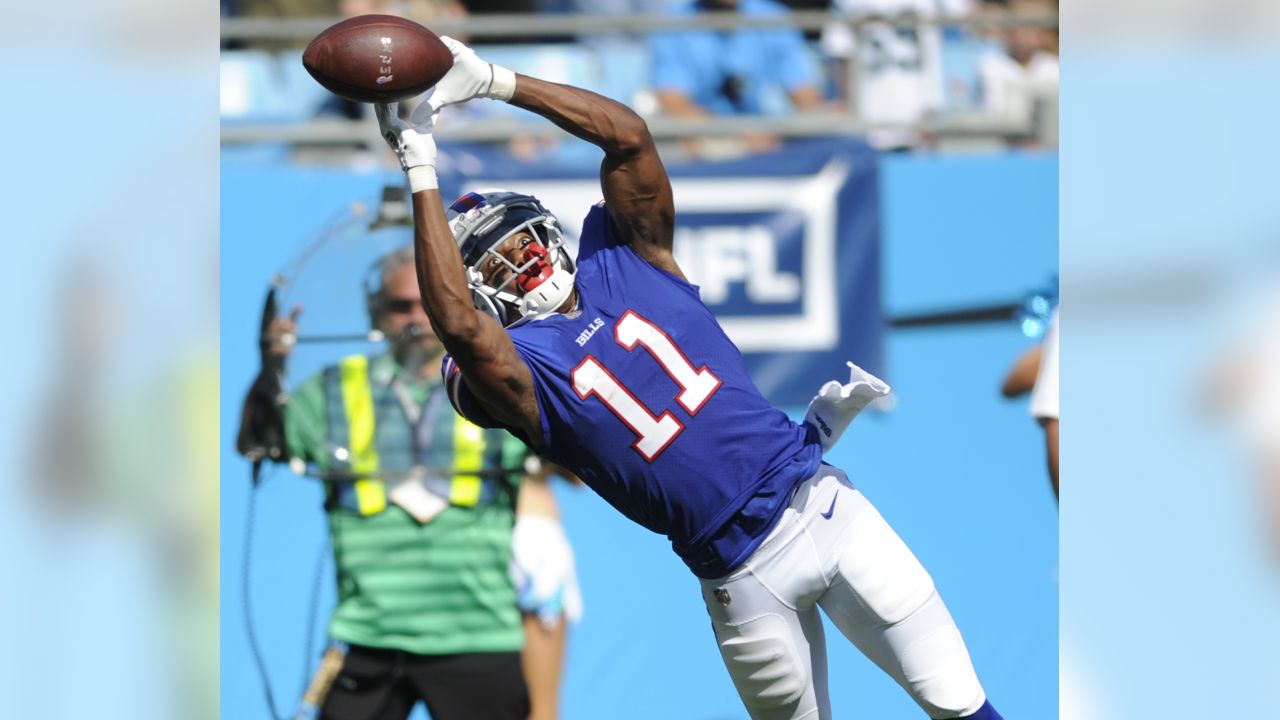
{"points": [[809, 6], [887, 73], [608, 9], [429, 542], [420, 10], [1010, 82], [521, 7], [614, 8], [699, 73], [1037, 371], [416, 9], [287, 8]]}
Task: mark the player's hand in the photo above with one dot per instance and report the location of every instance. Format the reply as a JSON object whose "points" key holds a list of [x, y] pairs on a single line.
{"points": [[837, 404], [542, 570], [470, 78], [282, 333], [412, 143]]}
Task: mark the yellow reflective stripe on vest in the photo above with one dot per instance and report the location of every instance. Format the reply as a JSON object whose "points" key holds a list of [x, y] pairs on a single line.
{"points": [[371, 496], [468, 454]]}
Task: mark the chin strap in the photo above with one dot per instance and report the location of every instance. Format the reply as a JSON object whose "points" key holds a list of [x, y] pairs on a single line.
{"points": [[547, 295], [546, 286]]}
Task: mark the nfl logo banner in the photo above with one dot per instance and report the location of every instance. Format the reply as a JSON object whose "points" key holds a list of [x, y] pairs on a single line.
{"points": [[785, 248]]}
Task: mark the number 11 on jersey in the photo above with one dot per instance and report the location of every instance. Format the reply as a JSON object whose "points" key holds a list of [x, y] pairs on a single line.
{"points": [[653, 433]]}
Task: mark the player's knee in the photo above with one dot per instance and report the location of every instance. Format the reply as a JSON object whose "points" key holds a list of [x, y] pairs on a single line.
{"points": [[954, 693], [935, 663]]}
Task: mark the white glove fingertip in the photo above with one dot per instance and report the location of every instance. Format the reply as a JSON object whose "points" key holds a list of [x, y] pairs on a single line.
{"points": [[858, 375], [855, 372], [831, 389], [454, 46]]}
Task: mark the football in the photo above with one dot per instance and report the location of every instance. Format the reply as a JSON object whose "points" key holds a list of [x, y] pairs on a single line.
{"points": [[377, 58]]}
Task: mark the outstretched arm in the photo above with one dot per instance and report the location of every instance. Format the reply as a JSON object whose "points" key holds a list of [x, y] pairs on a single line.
{"points": [[493, 371], [637, 191]]}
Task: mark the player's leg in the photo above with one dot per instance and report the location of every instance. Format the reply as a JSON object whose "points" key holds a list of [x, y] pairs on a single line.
{"points": [[368, 687], [769, 631], [884, 601], [472, 686]]}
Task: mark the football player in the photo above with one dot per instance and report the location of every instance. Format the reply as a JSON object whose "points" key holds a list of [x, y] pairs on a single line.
{"points": [[610, 365]]}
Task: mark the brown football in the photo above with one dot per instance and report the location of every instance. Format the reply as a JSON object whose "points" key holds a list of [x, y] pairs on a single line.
{"points": [[377, 58]]}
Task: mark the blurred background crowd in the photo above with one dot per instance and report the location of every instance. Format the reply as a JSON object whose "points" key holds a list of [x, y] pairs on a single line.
{"points": [[906, 74]]}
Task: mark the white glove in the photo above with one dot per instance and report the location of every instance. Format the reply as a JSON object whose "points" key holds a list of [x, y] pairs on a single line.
{"points": [[836, 405], [412, 144], [542, 570], [469, 78]]}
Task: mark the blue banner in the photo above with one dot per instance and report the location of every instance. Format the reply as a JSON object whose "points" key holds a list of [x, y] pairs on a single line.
{"points": [[785, 247]]}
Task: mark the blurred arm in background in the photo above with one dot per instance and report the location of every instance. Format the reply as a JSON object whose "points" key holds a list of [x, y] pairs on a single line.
{"points": [[544, 573], [1044, 399], [261, 415], [1022, 376], [1036, 371]]}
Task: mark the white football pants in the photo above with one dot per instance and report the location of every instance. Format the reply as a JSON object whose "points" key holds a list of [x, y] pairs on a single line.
{"points": [[833, 550]]}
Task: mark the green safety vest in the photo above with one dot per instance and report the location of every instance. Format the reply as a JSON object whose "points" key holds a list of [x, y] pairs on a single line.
{"points": [[369, 433]]}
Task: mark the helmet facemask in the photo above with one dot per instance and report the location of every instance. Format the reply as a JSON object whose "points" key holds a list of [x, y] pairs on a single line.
{"points": [[535, 287]]}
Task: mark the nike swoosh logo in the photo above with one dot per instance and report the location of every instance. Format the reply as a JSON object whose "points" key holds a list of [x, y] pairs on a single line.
{"points": [[831, 509]]}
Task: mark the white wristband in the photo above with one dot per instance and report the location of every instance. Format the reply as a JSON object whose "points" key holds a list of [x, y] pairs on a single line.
{"points": [[423, 177], [503, 85]]}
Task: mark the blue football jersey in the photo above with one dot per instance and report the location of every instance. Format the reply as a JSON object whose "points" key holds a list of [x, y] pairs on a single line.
{"points": [[645, 398]]}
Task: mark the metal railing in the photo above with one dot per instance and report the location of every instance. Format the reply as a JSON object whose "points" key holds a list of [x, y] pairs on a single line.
{"points": [[365, 132]]}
